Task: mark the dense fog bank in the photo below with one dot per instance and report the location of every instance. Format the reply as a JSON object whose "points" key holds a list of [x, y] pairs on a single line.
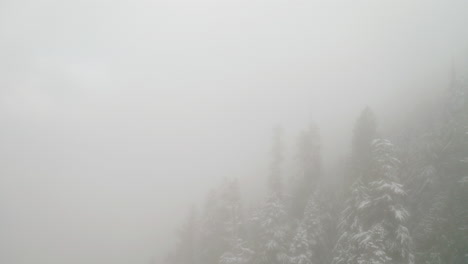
{"points": [[120, 116]]}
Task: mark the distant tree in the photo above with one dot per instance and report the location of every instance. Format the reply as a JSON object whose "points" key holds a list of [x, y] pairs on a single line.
{"points": [[437, 170], [238, 251], [365, 131], [220, 222], [309, 169], [268, 223], [274, 179]]}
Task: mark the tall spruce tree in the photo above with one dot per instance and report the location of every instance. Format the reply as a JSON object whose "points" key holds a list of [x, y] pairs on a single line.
{"points": [[272, 229], [270, 221], [309, 244], [238, 251], [274, 179], [309, 169], [373, 223]]}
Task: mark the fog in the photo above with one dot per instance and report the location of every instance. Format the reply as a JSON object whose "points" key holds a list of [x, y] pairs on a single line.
{"points": [[117, 116]]}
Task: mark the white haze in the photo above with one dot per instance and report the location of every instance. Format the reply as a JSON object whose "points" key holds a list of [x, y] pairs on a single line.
{"points": [[118, 115]]}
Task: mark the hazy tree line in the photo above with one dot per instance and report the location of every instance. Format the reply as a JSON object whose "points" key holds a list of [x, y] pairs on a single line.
{"points": [[401, 201]]}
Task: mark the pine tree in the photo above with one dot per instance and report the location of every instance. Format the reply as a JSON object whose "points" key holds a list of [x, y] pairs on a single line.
{"points": [[373, 223], [309, 165], [272, 229], [347, 250], [365, 131], [309, 243], [269, 222], [220, 222], [238, 251], [274, 179], [388, 204], [438, 176]]}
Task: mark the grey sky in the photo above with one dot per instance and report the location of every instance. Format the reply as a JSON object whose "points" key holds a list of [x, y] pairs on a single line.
{"points": [[117, 115]]}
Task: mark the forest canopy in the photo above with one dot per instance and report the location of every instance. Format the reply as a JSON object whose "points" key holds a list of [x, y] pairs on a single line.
{"points": [[401, 198]]}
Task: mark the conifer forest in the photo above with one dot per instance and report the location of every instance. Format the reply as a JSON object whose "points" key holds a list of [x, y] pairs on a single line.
{"points": [[401, 198], [233, 131]]}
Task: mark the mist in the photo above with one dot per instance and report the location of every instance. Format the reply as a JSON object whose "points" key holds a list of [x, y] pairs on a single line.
{"points": [[118, 116]]}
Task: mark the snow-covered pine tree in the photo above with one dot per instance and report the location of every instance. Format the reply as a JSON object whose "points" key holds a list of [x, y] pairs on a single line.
{"points": [[272, 228], [300, 251], [238, 251], [347, 250], [270, 221], [387, 203], [373, 223], [309, 245]]}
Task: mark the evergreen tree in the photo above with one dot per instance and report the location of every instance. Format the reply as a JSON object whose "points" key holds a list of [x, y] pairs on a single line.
{"points": [[438, 176], [272, 229], [220, 222], [387, 203], [346, 249], [309, 243], [274, 179], [309, 165], [373, 223], [270, 220], [365, 131], [239, 251]]}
